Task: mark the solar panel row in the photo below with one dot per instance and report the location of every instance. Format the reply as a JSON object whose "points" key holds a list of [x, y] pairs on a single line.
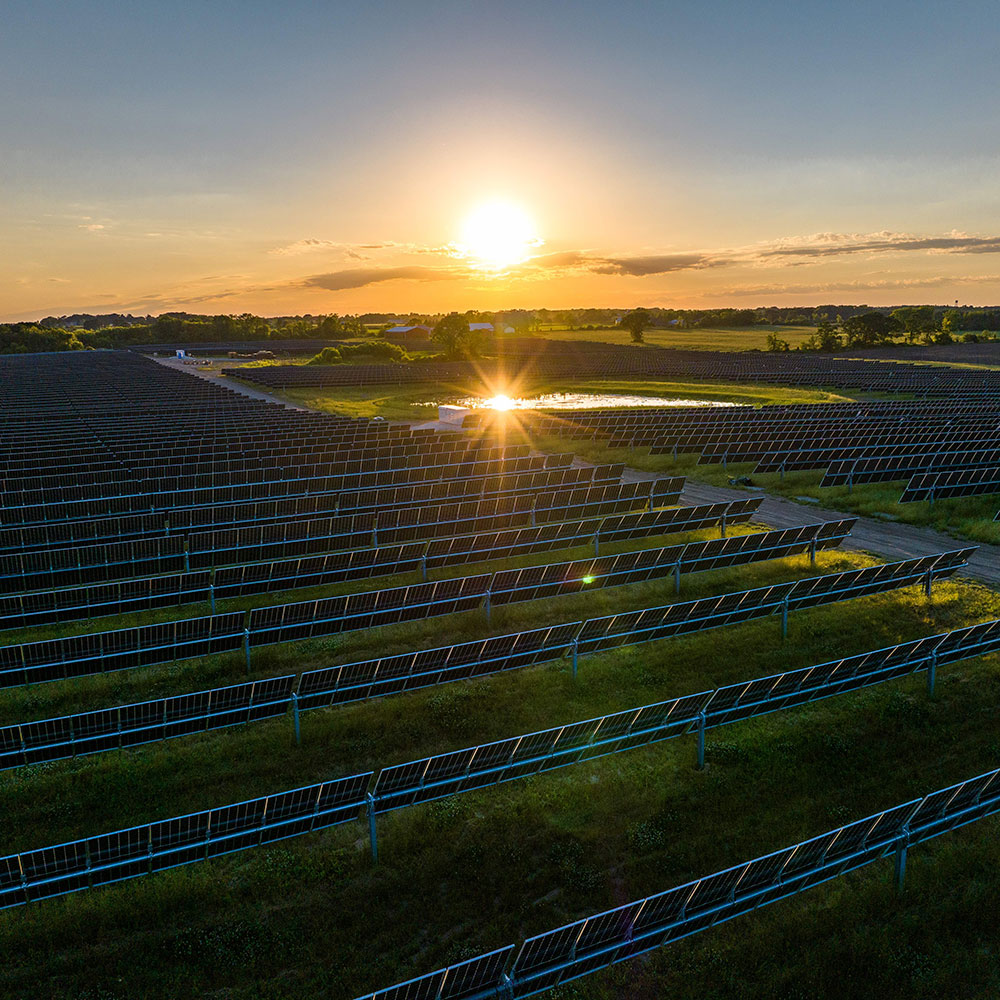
{"points": [[106, 858], [585, 946], [152, 847], [105, 563]]}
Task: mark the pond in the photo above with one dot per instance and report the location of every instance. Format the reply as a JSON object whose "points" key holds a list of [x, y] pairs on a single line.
{"points": [[579, 401]]}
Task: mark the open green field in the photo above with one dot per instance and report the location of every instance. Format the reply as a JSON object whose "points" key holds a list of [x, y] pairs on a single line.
{"points": [[313, 917], [749, 338]]}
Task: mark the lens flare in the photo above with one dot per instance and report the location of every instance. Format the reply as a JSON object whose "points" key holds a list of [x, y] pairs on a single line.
{"points": [[500, 403]]}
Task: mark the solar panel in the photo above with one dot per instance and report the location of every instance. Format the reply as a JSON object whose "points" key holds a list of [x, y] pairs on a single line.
{"points": [[98, 860], [516, 757]]}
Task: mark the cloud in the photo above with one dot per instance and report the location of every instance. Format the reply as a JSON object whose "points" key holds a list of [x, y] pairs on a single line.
{"points": [[303, 246], [860, 285], [658, 263], [836, 244], [300, 247], [92, 227], [359, 277]]}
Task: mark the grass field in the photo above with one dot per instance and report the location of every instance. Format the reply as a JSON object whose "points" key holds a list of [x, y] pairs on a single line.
{"points": [[753, 338], [314, 917]]}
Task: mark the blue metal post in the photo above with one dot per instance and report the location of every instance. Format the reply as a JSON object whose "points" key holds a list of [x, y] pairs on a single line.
{"points": [[722, 524], [246, 647], [901, 859], [677, 577], [701, 741], [423, 567], [295, 718], [784, 618], [929, 582], [575, 656], [932, 674], [211, 596], [812, 552], [372, 835], [187, 560], [597, 544], [489, 608]]}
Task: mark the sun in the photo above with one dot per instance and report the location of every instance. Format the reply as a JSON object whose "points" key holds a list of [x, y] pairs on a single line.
{"points": [[497, 235], [501, 403]]}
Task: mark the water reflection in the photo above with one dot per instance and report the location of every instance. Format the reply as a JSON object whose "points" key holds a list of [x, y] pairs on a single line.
{"points": [[578, 401]]}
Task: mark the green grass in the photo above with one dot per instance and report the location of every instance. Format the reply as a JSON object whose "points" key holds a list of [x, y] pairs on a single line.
{"points": [[312, 917], [752, 338]]}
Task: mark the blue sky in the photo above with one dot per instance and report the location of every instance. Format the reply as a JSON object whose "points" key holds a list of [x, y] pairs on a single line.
{"points": [[175, 156]]}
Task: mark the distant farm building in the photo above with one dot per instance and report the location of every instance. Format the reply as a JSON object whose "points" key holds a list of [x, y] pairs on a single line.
{"points": [[408, 333]]}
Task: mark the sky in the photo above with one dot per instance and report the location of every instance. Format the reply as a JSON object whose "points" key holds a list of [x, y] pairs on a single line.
{"points": [[324, 157]]}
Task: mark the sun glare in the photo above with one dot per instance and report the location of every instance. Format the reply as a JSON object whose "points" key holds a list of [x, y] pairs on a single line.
{"points": [[500, 403], [497, 235]]}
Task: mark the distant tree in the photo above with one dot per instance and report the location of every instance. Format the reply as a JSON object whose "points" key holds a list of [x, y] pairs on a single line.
{"points": [[915, 320], [453, 336], [825, 338], [328, 356], [870, 329], [775, 343], [636, 322]]}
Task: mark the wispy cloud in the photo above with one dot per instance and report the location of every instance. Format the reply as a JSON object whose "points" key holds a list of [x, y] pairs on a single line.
{"points": [[359, 277], [839, 244], [860, 285]]}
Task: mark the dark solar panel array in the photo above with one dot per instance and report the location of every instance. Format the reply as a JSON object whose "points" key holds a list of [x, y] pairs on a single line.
{"points": [[526, 361], [593, 943], [94, 861]]}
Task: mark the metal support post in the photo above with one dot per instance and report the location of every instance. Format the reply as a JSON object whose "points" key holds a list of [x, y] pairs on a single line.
{"points": [[489, 608], [187, 559], [931, 496], [722, 525], [575, 656], [850, 482], [211, 596], [725, 462], [701, 741], [931, 674], [295, 718], [372, 835], [675, 451], [246, 647], [677, 577], [929, 582], [423, 567], [597, 544], [812, 552], [784, 618], [900, 864]]}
